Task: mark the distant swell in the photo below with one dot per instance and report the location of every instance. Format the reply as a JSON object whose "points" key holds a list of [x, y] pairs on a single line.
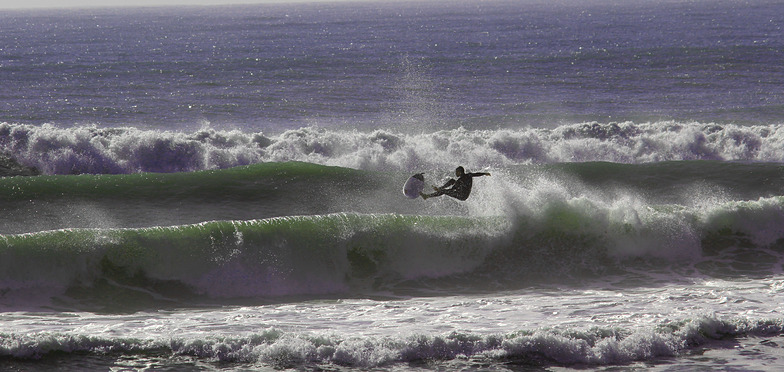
{"points": [[280, 349], [90, 149]]}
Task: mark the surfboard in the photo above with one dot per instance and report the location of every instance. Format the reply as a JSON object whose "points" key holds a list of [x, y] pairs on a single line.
{"points": [[414, 186]]}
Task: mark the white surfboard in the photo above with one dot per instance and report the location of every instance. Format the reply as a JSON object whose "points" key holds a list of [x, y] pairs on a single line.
{"points": [[414, 186]]}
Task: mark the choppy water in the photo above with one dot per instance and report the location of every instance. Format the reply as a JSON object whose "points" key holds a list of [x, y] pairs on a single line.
{"points": [[220, 188]]}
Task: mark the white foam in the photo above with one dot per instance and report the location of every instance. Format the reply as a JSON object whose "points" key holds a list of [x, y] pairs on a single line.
{"points": [[90, 149], [291, 349]]}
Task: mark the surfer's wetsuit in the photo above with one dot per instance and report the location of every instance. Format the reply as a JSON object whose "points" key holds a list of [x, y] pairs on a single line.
{"points": [[461, 187]]}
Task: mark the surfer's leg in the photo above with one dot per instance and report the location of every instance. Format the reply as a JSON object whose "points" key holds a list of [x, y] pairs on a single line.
{"points": [[438, 192], [455, 193]]}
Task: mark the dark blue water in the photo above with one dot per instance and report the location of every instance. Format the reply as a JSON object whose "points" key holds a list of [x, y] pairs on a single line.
{"points": [[368, 65]]}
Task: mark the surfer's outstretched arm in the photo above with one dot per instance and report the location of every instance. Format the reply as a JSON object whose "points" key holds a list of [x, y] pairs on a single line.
{"points": [[477, 174]]}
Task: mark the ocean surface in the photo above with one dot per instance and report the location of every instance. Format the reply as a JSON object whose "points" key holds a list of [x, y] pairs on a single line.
{"points": [[219, 188]]}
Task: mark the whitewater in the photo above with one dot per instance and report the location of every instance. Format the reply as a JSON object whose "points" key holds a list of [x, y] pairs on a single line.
{"points": [[89, 149], [220, 188]]}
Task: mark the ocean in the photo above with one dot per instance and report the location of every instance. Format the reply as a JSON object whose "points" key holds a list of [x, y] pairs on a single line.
{"points": [[220, 188]]}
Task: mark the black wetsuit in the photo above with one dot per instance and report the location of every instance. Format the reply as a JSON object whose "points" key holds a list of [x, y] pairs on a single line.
{"points": [[461, 188]]}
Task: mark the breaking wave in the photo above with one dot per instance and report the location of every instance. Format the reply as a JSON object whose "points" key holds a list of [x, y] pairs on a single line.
{"points": [[355, 254], [90, 149]]}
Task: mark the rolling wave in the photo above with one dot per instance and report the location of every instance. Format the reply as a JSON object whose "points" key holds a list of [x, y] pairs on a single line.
{"points": [[273, 230], [348, 253]]}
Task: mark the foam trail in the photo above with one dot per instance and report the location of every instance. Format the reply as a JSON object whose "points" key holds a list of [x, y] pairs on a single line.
{"points": [[281, 349]]}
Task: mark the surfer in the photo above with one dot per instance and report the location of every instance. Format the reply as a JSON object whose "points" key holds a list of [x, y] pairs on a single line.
{"points": [[460, 187]]}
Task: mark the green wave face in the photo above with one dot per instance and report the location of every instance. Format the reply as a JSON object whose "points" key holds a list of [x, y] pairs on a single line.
{"points": [[286, 256], [352, 254], [39, 203], [297, 229]]}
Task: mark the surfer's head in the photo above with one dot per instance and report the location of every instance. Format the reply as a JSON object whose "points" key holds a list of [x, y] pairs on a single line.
{"points": [[459, 171]]}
